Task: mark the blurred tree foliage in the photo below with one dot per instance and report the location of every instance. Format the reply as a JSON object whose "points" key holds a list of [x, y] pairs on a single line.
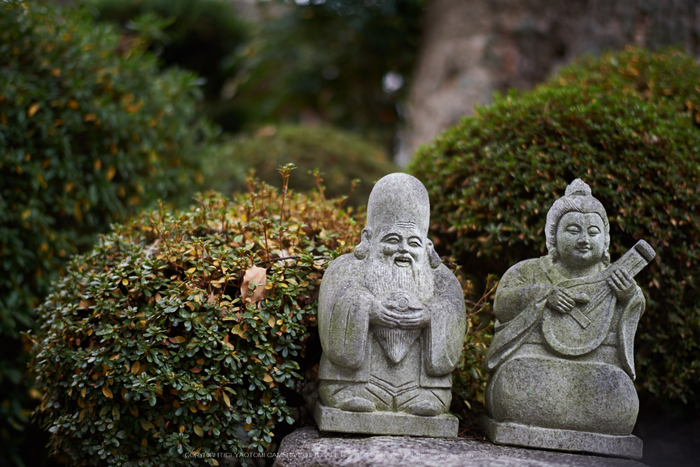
{"points": [[348, 165], [203, 36], [340, 62], [343, 62], [90, 129]]}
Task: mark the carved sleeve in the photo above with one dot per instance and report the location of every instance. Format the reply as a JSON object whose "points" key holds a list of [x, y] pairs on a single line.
{"points": [[520, 286], [343, 315], [520, 300], [628, 328], [445, 332]]}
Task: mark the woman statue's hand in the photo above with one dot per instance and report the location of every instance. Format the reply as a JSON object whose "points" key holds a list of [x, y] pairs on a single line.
{"points": [[560, 300], [622, 284]]}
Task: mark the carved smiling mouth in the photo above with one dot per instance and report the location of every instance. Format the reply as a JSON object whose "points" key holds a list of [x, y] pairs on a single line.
{"points": [[403, 261]]}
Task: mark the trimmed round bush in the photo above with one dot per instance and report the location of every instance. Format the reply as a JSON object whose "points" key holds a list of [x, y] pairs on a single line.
{"points": [[89, 130], [183, 333], [627, 124], [339, 156]]}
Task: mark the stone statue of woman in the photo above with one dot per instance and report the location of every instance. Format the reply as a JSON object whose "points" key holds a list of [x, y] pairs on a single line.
{"points": [[561, 361]]}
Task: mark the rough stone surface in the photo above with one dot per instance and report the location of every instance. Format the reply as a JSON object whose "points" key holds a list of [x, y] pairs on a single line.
{"points": [[532, 436], [391, 320], [385, 423], [307, 447], [562, 356]]}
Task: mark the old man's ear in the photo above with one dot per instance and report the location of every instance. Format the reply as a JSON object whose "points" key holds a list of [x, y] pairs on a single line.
{"points": [[433, 257], [362, 250]]}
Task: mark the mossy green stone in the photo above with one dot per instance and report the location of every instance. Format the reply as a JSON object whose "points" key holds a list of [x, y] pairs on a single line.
{"points": [[561, 360], [391, 320]]}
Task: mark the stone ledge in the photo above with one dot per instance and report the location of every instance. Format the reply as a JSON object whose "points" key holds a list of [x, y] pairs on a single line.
{"points": [[385, 423], [561, 440], [306, 447]]}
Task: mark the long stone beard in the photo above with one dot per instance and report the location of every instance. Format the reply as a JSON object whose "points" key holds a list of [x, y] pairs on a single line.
{"points": [[383, 278]]}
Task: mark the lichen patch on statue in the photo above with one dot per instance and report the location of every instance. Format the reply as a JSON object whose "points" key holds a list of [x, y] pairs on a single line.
{"points": [[392, 321], [562, 360]]}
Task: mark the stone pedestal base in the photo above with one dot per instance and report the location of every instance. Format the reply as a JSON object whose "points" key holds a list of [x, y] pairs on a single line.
{"points": [[385, 423], [306, 447], [561, 440]]}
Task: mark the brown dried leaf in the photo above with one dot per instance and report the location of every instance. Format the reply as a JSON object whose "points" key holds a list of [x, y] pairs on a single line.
{"points": [[32, 109], [146, 425], [259, 276], [238, 331], [226, 342]]}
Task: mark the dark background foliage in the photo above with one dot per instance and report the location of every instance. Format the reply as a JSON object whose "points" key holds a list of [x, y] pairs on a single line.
{"points": [[338, 62], [203, 36], [328, 61], [88, 133], [627, 124]]}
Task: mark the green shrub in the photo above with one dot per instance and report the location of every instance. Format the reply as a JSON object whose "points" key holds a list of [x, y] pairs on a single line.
{"points": [[150, 347], [627, 124], [88, 131], [341, 157], [469, 378]]}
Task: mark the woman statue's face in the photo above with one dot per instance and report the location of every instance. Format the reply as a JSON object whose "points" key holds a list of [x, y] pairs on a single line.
{"points": [[580, 239]]}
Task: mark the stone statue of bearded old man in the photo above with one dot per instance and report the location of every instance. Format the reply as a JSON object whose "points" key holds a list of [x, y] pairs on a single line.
{"points": [[392, 320]]}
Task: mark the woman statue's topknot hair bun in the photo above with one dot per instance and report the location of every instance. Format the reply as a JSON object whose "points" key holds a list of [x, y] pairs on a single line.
{"points": [[578, 188]]}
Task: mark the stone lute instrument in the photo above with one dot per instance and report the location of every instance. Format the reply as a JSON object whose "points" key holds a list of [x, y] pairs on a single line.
{"points": [[633, 262], [587, 324]]}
